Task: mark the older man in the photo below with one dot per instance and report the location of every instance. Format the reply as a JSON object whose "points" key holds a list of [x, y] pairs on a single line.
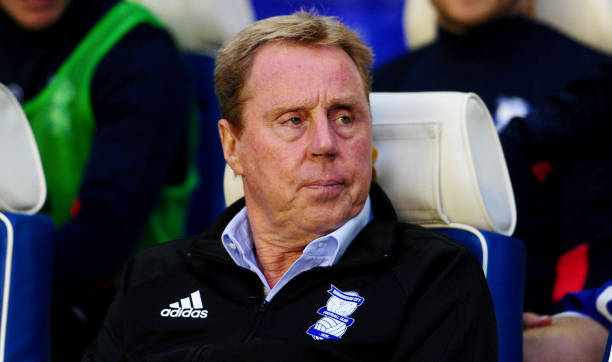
{"points": [[312, 264]]}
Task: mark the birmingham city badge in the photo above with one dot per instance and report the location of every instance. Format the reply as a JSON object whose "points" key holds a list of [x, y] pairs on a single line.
{"points": [[335, 314]]}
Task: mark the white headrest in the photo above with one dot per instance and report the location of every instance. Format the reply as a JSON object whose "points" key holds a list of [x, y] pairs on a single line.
{"points": [[440, 160], [22, 181], [202, 25]]}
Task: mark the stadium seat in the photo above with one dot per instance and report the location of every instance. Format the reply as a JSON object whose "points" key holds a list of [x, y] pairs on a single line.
{"points": [[200, 26], [26, 244], [378, 23], [206, 202], [441, 163]]}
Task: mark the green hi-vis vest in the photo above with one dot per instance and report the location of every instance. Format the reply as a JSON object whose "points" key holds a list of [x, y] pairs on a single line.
{"points": [[63, 123]]}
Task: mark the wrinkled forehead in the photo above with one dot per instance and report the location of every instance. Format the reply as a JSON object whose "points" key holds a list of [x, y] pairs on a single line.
{"points": [[289, 69]]}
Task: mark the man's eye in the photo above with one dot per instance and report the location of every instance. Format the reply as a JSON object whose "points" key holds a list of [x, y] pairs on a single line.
{"points": [[295, 121], [344, 120]]}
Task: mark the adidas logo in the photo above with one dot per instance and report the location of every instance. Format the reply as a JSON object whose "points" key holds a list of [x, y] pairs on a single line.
{"points": [[190, 307]]}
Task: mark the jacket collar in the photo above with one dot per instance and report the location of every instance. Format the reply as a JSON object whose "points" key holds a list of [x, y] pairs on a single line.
{"points": [[373, 242]]}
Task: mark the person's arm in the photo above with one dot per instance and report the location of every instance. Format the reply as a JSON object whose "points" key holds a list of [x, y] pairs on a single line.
{"points": [[570, 338], [141, 103], [578, 334]]}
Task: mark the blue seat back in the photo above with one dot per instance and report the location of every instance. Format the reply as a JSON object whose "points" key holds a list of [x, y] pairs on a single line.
{"points": [[503, 260], [379, 23], [26, 271], [206, 202]]}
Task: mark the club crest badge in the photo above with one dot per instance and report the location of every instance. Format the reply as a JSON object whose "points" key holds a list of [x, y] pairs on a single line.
{"points": [[335, 314]]}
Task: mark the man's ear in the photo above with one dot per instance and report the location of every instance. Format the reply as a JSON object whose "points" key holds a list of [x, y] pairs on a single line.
{"points": [[229, 142]]}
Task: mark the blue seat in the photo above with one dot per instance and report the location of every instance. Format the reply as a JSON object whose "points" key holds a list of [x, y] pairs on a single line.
{"points": [[26, 241], [26, 271], [503, 260], [206, 202], [379, 23]]}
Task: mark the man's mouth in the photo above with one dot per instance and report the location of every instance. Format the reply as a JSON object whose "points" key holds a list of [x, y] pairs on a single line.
{"points": [[328, 189], [324, 184]]}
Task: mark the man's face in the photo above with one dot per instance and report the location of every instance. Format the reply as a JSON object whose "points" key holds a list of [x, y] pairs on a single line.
{"points": [[463, 14], [34, 14], [305, 152]]}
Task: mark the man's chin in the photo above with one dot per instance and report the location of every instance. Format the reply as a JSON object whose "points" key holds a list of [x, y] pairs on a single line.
{"points": [[327, 219]]}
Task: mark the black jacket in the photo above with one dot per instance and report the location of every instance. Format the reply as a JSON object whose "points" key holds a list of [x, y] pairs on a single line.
{"points": [[424, 299]]}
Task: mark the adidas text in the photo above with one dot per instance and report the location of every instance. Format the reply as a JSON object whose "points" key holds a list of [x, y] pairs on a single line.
{"points": [[184, 313], [189, 307]]}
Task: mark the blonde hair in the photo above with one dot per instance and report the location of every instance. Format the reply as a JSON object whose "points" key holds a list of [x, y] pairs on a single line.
{"points": [[235, 57]]}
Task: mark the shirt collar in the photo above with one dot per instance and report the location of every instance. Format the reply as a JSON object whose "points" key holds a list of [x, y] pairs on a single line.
{"points": [[238, 242]]}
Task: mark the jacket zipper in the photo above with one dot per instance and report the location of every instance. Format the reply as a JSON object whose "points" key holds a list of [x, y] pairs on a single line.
{"points": [[261, 311]]}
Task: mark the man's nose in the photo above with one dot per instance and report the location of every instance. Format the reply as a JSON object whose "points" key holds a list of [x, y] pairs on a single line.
{"points": [[323, 140]]}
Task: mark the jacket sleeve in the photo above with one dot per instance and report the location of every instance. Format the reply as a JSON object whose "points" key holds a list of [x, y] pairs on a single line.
{"points": [[452, 318], [593, 303]]}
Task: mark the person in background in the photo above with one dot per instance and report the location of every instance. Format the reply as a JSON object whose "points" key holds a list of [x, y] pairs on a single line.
{"points": [[108, 99], [312, 264], [491, 48], [572, 129]]}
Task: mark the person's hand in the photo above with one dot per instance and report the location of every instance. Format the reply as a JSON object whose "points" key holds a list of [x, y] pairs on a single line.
{"points": [[568, 338], [532, 320]]}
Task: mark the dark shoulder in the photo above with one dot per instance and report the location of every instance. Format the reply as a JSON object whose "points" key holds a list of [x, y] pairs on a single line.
{"points": [[157, 261], [415, 238], [422, 255]]}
